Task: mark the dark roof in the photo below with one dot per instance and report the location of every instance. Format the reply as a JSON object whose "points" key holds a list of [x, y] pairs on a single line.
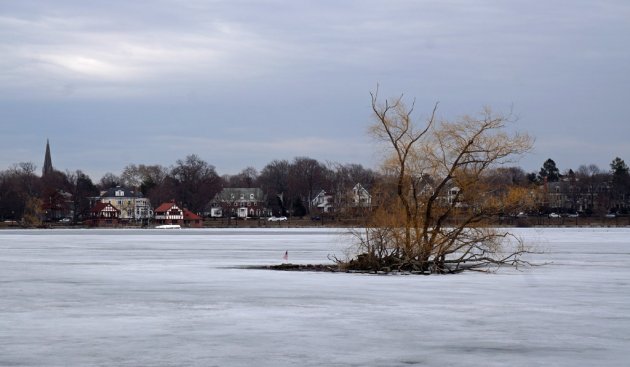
{"points": [[126, 193], [48, 168], [235, 193]]}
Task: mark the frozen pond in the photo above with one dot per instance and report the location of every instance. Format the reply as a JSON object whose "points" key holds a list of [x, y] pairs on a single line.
{"points": [[178, 298]]}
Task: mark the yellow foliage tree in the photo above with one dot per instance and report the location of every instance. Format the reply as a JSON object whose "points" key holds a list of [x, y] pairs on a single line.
{"points": [[433, 212]]}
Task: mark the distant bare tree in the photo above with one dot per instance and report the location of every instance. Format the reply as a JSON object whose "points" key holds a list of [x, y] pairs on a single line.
{"points": [[20, 190], [343, 177], [163, 191], [592, 181], [246, 178], [109, 180], [143, 177], [305, 175], [81, 188], [131, 176], [274, 181], [197, 182], [25, 171], [509, 176]]}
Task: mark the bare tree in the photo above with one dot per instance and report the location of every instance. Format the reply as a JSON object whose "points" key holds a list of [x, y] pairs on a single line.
{"points": [[246, 178], [161, 191], [274, 181], [592, 183], [20, 189], [343, 177], [131, 176], [109, 180], [305, 175], [81, 188], [436, 218], [197, 182]]}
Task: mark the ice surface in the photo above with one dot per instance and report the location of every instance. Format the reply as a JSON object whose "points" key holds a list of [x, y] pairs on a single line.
{"points": [[179, 298]]}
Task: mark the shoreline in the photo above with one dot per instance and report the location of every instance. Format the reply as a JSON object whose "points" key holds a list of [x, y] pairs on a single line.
{"points": [[530, 222]]}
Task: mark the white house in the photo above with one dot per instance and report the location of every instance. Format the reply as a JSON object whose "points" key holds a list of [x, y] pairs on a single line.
{"points": [[360, 197], [131, 203], [323, 202]]}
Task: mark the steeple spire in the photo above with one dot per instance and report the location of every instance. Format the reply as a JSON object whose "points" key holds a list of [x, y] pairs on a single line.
{"points": [[48, 168]]}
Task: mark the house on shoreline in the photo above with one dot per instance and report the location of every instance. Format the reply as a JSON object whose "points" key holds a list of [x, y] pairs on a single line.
{"points": [[238, 202], [104, 215], [134, 208], [350, 201], [171, 213]]}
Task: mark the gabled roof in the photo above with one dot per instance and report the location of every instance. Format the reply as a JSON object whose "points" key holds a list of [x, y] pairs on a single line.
{"points": [[188, 215], [165, 207], [322, 193], [359, 187], [100, 206]]}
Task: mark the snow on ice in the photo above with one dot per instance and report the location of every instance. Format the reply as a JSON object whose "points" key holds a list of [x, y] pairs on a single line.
{"points": [[181, 298]]}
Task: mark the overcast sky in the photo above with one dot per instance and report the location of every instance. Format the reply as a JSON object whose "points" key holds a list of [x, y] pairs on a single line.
{"points": [[241, 83]]}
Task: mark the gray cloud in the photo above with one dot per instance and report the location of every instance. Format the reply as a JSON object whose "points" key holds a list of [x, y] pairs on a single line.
{"points": [[252, 73]]}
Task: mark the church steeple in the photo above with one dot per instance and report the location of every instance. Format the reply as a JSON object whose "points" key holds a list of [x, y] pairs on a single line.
{"points": [[48, 168]]}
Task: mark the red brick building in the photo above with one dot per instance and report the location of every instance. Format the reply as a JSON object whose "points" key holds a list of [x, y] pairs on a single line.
{"points": [[238, 202]]}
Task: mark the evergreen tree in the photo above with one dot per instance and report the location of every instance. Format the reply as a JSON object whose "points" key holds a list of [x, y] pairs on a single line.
{"points": [[619, 167], [620, 182], [549, 171]]}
